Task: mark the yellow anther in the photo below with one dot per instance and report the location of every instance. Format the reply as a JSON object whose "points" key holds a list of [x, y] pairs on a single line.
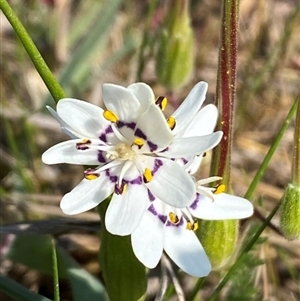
{"points": [[91, 176], [173, 218], [147, 175], [192, 225], [171, 122], [110, 116], [161, 101], [220, 189], [139, 142]]}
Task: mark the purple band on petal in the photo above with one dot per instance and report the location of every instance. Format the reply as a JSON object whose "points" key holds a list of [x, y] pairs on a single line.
{"points": [[157, 164], [130, 125], [113, 179], [103, 135], [152, 210], [140, 134], [162, 217], [137, 181], [101, 158], [153, 147], [151, 196], [180, 223], [194, 205]]}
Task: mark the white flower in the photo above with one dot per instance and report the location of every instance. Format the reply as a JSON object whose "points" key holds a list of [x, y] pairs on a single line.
{"points": [[164, 227], [124, 142]]}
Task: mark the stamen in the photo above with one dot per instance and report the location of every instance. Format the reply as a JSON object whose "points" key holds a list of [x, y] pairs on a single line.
{"points": [[219, 189], [147, 176], [192, 225], [139, 142], [110, 116], [161, 101], [174, 219], [171, 122], [83, 145], [121, 189], [90, 174]]}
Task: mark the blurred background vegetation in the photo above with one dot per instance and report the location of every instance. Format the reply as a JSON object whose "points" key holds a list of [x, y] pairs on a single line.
{"points": [[88, 43]]}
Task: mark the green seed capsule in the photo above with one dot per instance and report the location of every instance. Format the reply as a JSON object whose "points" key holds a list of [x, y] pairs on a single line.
{"points": [[219, 240], [290, 212]]}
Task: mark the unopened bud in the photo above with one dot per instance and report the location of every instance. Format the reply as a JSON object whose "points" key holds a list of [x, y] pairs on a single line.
{"points": [[219, 240], [290, 212], [175, 56]]}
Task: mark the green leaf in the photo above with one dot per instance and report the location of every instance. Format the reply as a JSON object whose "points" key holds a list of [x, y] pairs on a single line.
{"points": [[17, 291], [35, 251], [124, 275]]}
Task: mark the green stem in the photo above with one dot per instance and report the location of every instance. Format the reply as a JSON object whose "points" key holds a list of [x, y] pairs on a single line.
{"points": [[226, 88], [272, 149], [296, 150], [34, 54], [55, 272], [145, 40]]}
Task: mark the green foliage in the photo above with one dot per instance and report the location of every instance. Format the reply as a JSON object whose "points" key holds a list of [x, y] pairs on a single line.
{"points": [[35, 251], [124, 275], [242, 281]]}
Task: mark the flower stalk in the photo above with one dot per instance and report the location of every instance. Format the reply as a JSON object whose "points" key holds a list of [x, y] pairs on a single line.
{"points": [[221, 158], [47, 76]]}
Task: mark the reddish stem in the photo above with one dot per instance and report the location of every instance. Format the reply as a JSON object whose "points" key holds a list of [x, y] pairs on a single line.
{"points": [[226, 88]]}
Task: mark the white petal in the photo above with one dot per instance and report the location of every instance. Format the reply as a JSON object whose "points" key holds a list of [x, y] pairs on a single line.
{"points": [[224, 206], [65, 127], [143, 93], [121, 101], [203, 123], [153, 128], [66, 152], [125, 211], [170, 182], [147, 238], [192, 146], [82, 117], [189, 107], [86, 195], [186, 251]]}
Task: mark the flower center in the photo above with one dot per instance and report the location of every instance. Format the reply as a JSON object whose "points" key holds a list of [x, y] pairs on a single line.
{"points": [[122, 151]]}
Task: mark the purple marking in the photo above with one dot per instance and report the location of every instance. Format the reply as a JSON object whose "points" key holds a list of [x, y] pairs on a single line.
{"points": [[83, 145], [164, 150], [101, 158], [151, 196], [153, 147], [140, 134], [157, 164], [175, 225], [103, 135], [184, 160], [137, 181], [130, 125], [194, 205], [152, 210], [161, 217], [113, 179]]}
